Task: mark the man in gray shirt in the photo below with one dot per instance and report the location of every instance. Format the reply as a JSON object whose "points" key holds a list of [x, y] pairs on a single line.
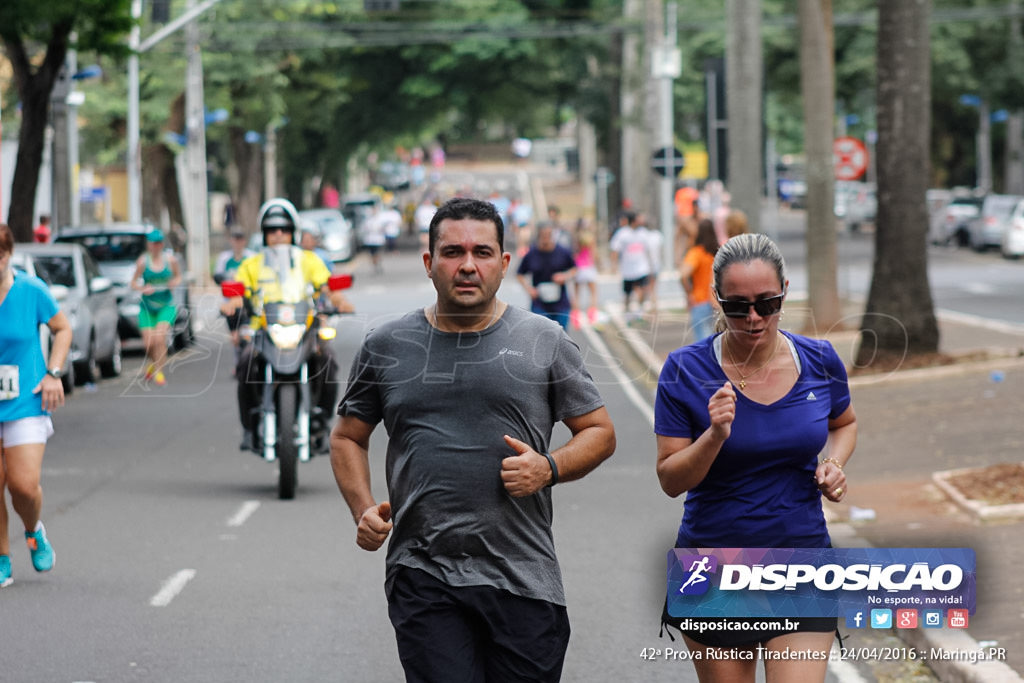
{"points": [[469, 390]]}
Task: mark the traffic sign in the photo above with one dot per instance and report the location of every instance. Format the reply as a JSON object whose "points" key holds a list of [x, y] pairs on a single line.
{"points": [[668, 162], [850, 158]]}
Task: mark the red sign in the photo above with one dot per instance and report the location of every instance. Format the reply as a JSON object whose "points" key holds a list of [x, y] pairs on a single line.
{"points": [[850, 158]]}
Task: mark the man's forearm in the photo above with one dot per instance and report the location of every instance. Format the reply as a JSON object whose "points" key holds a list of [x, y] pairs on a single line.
{"points": [[587, 449], [351, 465]]}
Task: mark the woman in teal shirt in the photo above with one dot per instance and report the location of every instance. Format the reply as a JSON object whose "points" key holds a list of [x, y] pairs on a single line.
{"points": [[28, 390], [156, 274]]}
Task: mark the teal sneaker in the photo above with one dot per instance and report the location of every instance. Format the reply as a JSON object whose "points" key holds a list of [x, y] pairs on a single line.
{"points": [[5, 571], [42, 552]]}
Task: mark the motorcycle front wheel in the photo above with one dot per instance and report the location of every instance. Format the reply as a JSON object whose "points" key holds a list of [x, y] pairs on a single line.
{"points": [[287, 449]]}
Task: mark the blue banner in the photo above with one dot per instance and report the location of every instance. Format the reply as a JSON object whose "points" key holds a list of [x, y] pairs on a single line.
{"points": [[818, 582]]}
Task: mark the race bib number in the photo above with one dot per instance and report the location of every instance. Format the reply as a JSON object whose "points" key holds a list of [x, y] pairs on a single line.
{"points": [[9, 387]]}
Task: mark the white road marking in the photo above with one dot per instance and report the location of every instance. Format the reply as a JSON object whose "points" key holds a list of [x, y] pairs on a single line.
{"points": [[987, 323], [244, 512], [171, 587], [979, 288], [624, 381]]}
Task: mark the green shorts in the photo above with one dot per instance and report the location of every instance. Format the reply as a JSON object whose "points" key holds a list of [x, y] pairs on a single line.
{"points": [[149, 319]]}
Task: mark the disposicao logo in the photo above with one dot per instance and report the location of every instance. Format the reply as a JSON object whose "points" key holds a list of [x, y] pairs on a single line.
{"points": [[698, 568], [818, 582]]}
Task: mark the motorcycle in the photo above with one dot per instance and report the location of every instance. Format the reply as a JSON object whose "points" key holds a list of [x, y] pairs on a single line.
{"points": [[285, 334]]}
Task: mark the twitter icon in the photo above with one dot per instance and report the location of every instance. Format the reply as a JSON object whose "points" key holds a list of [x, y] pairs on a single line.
{"points": [[881, 618]]}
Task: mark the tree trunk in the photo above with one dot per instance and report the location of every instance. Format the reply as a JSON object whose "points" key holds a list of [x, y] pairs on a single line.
{"points": [[159, 175], [613, 150], [900, 314], [247, 181], [817, 81], [744, 64], [636, 174], [34, 87]]}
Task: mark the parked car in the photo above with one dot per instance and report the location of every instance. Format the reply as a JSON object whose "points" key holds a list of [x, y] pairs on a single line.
{"points": [[393, 176], [937, 200], [337, 236], [87, 298], [986, 229], [115, 247], [25, 263], [1013, 239], [855, 203], [953, 229], [358, 208]]}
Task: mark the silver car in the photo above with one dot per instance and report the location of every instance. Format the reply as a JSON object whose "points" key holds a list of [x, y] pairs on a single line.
{"points": [[337, 237], [987, 228], [25, 263], [87, 298]]}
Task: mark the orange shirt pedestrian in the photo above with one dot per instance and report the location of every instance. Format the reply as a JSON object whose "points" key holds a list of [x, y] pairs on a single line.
{"points": [[698, 262]]}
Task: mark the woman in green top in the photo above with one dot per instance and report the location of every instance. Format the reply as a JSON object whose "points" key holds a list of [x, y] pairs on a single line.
{"points": [[156, 274]]}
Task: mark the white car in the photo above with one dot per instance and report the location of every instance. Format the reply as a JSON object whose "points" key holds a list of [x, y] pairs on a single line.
{"points": [[1012, 245], [25, 263], [987, 228], [87, 298], [337, 237]]}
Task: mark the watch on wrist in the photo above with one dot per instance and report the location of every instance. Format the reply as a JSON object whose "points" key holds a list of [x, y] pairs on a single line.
{"points": [[54, 372]]}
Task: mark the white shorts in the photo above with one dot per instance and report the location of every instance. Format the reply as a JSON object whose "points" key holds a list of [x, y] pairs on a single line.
{"points": [[586, 274], [35, 429]]}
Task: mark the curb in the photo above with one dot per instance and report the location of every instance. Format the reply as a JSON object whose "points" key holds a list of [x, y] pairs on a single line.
{"points": [[959, 643], [977, 508]]}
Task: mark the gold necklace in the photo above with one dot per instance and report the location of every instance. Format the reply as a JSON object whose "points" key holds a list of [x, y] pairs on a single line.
{"points": [[494, 314], [743, 378]]}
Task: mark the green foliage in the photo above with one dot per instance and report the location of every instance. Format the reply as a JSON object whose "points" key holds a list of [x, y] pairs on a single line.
{"points": [[100, 24], [347, 82]]}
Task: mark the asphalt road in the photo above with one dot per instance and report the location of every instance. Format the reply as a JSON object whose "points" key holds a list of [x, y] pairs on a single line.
{"points": [[176, 561]]}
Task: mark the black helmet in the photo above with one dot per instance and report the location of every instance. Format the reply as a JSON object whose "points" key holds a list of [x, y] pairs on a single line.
{"points": [[278, 214]]}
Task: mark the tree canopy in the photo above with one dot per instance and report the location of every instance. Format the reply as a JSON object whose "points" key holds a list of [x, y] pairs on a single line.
{"points": [[36, 37]]}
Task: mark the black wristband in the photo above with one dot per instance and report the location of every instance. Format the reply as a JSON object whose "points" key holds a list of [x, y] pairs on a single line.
{"points": [[554, 468]]}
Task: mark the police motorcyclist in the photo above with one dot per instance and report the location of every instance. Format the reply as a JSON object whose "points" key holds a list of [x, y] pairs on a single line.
{"points": [[278, 222]]}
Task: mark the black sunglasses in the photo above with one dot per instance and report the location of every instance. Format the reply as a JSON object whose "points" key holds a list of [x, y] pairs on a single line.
{"points": [[739, 308], [279, 229]]}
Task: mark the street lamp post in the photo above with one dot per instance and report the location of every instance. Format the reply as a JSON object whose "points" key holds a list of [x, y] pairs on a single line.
{"points": [[666, 67], [133, 156], [195, 130], [198, 227]]}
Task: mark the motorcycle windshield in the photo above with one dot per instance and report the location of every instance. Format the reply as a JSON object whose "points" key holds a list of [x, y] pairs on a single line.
{"points": [[282, 279]]}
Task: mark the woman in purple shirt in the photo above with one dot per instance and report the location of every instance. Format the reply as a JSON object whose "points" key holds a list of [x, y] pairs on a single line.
{"points": [[741, 418]]}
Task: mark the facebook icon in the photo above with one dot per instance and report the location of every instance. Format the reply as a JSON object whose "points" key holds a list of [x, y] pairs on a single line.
{"points": [[855, 619]]}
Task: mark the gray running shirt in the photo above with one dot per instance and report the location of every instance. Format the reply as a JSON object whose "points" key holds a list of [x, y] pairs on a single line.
{"points": [[446, 399]]}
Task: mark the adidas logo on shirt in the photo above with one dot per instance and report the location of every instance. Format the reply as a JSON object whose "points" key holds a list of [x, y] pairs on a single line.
{"points": [[811, 396]]}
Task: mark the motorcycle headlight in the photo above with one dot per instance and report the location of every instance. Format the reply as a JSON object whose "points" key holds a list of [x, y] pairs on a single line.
{"points": [[286, 336]]}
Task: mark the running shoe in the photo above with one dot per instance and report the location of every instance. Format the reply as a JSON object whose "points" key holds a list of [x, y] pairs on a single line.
{"points": [[150, 369], [5, 571], [160, 379], [574, 316], [42, 552]]}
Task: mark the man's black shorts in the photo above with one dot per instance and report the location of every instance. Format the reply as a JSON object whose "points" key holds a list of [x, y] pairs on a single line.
{"points": [[629, 285], [474, 633]]}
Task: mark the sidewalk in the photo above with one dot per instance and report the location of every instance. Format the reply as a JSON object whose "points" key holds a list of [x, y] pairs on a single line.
{"points": [[912, 423]]}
